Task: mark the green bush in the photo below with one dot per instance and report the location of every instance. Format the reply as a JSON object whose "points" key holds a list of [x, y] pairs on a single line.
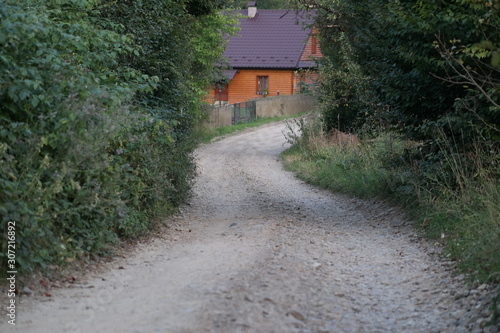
{"points": [[84, 160], [410, 65], [340, 162], [58, 95], [460, 197]]}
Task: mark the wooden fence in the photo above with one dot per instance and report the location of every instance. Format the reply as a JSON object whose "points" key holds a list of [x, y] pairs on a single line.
{"points": [[264, 108]]}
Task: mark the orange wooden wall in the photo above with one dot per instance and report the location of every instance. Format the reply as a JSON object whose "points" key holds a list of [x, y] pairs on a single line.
{"points": [[244, 84]]}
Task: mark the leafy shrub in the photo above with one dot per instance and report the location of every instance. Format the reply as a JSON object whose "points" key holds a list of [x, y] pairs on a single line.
{"points": [[410, 64], [82, 162]]}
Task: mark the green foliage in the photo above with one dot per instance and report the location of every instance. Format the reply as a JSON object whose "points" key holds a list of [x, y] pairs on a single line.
{"points": [[95, 118], [53, 128], [461, 204], [340, 162], [162, 53], [344, 96], [204, 7], [393, 62], [456, 200], [475, 65], [179, 50], [209, 39]]}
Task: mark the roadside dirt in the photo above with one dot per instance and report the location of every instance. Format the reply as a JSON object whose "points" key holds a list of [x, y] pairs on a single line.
{"points": [[257, 250]]}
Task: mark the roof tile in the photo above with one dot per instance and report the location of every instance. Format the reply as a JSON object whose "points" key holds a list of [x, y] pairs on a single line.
{"points": [[271, 39]]}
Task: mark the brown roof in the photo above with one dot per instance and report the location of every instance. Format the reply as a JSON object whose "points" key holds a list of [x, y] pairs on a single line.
{"points": [[271, 39]]}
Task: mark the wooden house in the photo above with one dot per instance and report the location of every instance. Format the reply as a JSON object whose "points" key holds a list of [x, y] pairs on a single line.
{"points": [[273, 54]]}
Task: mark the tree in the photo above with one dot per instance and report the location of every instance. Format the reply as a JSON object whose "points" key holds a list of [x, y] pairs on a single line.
{"points": [[383, 56], [179, 49], [98, 99], [476, 66]]}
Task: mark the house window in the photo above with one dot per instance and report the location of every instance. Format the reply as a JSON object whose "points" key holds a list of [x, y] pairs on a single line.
{"points": [[314, 44], [262, 85]]}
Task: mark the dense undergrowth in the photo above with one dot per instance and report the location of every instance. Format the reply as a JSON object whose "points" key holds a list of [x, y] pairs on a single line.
{"points": [[97, 104]]}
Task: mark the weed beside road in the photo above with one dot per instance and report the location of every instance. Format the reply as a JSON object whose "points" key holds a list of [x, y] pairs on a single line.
{"points": [[455, 201]]}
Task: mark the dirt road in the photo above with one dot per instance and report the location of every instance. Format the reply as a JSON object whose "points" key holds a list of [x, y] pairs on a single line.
{"points": [[260, 251]]}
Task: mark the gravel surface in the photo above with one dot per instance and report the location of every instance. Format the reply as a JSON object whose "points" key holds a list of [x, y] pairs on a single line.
{"points": [[257, 250]]}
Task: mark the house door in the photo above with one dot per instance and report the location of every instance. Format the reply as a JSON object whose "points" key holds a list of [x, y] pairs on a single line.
{"points": [[222, 95]]}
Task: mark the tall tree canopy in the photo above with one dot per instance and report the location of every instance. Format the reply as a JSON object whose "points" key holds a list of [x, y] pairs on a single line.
{"points": [[414, 64]]}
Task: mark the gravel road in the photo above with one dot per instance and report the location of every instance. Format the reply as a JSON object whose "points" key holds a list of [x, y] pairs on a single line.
{"points": [[257, 250]]}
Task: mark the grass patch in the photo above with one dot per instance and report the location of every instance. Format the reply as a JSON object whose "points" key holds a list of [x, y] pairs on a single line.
{"points": [[338, 162], [455, 199], [467, 219]]}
